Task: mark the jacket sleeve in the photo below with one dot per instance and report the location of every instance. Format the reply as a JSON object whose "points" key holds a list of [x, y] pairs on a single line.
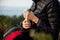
{"points": [[48, 24], [52, 14], [41, 25], [53, 11], [37, 13]]}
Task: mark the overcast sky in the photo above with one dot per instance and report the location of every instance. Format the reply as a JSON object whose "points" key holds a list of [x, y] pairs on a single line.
{"points": [[16, 3], [14, 7]]}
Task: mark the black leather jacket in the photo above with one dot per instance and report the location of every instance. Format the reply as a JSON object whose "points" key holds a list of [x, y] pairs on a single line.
{"points": [[48, 13]]}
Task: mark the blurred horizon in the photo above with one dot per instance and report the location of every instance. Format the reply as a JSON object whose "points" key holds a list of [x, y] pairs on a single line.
{"points": [[11, 11], [14, 7]]}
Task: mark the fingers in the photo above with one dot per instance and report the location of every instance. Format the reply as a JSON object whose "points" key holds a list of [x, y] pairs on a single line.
{"points": [[26, 24]]}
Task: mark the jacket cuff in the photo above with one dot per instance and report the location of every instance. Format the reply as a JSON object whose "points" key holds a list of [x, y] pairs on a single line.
{"points": [[39, 23]]}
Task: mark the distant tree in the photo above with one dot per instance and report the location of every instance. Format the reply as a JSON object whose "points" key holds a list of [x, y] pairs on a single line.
{"points": [[1, 32], [5, 21], [14, 20], [20, 18]]}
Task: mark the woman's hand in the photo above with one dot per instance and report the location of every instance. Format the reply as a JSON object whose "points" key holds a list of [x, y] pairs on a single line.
{"points": [[26, 24], [30, 16]]}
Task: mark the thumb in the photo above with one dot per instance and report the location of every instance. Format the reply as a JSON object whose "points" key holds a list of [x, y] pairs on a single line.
{"points": [[26, 15], [26, 19]]}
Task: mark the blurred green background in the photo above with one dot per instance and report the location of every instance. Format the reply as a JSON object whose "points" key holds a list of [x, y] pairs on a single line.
{"points": [[7, 21]]}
